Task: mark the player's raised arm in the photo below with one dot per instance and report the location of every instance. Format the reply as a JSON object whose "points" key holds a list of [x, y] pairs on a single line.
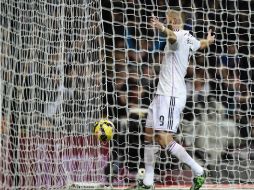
{"points": [[204, 43], [160, 26]]}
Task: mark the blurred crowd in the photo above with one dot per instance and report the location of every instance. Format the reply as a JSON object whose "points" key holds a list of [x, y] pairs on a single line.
{"points": [[50, 93], [50, 66], [217, 119], [51, 71]]}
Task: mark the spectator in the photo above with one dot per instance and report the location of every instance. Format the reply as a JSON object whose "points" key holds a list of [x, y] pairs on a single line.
{"points": [[4, 128], [245, 98], [230, 82]]}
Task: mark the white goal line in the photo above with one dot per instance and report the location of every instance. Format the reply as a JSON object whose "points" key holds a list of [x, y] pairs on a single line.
{"points": [[85, 186]]}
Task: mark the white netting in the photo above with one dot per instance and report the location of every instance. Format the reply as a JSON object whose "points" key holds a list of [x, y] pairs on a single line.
{"points": [[58, 58], [217, 122], [51, 93]]}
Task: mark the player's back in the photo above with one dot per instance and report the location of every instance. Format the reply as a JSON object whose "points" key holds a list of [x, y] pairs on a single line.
{"points": [[175, 63]]}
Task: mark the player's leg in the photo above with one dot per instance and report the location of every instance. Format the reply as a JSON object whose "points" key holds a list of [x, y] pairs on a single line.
{"points": [[150, 149], [164, 137], [172, 147], [150, 154]]}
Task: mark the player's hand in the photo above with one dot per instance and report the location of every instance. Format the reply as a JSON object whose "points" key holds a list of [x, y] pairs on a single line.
{"points": [[155, 23], [210, 37]]}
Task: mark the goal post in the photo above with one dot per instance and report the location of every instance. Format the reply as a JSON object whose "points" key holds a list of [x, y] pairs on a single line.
{"points": [[64, 64]]}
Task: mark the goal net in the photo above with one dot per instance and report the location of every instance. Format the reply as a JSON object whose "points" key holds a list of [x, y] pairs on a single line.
{"points": [[216, 127], [51, 93], [67, 63]]}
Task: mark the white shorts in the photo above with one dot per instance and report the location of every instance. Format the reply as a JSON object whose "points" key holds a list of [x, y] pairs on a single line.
{"points": [[164, 113]]}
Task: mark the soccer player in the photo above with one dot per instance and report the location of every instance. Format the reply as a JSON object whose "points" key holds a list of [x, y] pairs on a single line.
{"points": [[164, 112]]}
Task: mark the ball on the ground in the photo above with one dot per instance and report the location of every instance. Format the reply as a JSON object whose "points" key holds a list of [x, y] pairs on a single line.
{"points": [[141, 173], [104, 130]]}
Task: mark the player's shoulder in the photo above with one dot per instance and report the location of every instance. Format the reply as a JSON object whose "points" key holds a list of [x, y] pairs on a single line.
{"points": [[185, 32]]}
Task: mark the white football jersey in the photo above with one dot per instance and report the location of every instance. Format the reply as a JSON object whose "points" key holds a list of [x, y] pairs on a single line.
{"points": [[174, 65]]}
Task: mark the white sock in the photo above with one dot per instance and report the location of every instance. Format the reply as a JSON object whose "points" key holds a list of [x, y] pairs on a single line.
{"points": [[150, 158], [149, 175], [178, 151]]}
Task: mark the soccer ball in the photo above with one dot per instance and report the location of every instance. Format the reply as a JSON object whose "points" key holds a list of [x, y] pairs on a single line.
{"points": [[104, 130], [141, 174]]}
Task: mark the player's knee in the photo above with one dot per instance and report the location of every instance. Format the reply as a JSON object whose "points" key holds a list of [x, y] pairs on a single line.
{"points": [[149, 135], [164, 139], [148, 139]]}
